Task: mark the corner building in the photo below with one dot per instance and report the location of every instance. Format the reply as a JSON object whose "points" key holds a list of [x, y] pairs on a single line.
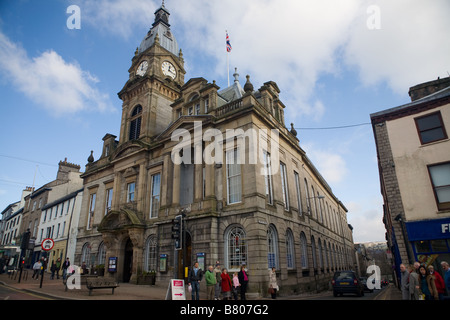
{"points": [[276, 210]]}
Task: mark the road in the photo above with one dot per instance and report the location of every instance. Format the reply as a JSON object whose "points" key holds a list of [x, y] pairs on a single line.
{"points": [[375, 295], [8, 293]]}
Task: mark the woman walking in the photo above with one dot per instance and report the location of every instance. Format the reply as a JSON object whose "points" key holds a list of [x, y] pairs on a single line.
{"points": [[273, 286]]}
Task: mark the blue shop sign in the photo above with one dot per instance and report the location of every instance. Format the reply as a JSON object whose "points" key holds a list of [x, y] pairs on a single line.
{"points": [[428, 229]]}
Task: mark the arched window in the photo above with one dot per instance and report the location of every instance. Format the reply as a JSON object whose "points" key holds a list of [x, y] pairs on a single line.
{"points": [[313, 249], [101, 254], [235, 248], [320, 254], [150, 254], [304, 250], [272, 247], [86, 254], [135, 123], [290, 256]]}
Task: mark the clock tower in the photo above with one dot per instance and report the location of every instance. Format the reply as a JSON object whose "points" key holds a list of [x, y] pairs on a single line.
{"points": [[155, 79]]}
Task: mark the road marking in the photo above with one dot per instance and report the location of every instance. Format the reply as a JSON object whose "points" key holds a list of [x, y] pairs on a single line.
{"points": [[24, 292]]}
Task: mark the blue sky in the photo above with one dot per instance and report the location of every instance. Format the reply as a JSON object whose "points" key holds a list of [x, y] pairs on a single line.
{"points": [[334, 61]]}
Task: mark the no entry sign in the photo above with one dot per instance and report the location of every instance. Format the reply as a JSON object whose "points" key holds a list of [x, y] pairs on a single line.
{"points": [[47, 244]]}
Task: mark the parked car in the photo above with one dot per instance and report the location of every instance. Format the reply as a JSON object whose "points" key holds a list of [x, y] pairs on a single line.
{"points": [[346, 282]]}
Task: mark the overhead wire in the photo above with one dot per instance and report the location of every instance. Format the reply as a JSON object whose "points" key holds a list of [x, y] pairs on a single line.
{"points": [[336, 127]]}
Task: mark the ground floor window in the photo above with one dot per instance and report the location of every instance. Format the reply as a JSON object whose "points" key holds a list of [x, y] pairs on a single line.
{"points": [[236, 248]]}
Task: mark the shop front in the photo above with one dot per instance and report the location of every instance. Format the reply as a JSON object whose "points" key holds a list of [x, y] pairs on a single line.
{"points": [[430, 240]]}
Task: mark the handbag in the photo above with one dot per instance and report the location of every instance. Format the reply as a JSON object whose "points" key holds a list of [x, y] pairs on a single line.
{"points": [[271, 291]]}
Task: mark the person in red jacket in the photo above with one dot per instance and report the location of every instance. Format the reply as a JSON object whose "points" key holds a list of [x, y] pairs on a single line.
{"points": [[226, 284], [440, 286]]}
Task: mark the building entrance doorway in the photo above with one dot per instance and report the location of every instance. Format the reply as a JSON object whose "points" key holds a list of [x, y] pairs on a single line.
{"points": [[188, 263], [128, 261]]}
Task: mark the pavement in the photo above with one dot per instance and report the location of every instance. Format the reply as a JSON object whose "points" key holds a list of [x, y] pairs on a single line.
{"points": [[55, 289]]}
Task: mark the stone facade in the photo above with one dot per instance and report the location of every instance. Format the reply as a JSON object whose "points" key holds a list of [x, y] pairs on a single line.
{"points": [[180, 162]]}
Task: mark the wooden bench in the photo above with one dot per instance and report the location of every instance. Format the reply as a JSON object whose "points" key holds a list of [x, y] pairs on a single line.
{"points": [[83, 279], [101, 284]]}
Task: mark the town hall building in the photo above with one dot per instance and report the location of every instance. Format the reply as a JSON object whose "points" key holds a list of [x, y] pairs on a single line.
{"points": [[222, 158]]}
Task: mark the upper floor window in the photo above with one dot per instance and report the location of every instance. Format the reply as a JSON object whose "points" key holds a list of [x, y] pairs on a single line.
{"points": [[233, 176], [156, 191], [284, 185], [135, 123], [131, 189], [431, 128], [268, 176]]}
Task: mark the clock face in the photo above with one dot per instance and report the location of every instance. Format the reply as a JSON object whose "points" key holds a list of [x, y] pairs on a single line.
{"points": [[168, 69], [142, 69]]}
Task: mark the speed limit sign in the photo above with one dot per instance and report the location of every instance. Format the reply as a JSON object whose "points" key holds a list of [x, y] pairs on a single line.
{"points": [[47, 244]]}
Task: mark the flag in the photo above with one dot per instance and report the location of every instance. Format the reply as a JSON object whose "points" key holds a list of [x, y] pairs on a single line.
{"points": [[228, 43]]}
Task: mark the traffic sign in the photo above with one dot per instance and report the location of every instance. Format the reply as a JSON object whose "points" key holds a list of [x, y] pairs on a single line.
{"points": [[47, 244]]}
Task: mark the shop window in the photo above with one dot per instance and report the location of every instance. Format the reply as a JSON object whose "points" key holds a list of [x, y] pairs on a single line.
{"points": [[440, 179], [422, 246]]}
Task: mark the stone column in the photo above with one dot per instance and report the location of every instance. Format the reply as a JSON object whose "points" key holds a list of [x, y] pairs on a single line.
{"points": [[137, 238], [176, 185]]}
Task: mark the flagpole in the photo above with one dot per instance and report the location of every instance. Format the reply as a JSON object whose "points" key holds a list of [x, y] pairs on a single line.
{"points": [[228, 61], [228, 68]]}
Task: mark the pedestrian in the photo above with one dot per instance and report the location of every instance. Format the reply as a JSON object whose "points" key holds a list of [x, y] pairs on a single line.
{"points": [[236, 285], [273, 286], [217, 273], [65, 265], [57, 267], [440, 286], [404, 282], [84, 269], [413, 283], [53, 269], [427, 284], [211, 281], [243, 280], [36, 268], [194, 278], [226, 284], [446, 269]]}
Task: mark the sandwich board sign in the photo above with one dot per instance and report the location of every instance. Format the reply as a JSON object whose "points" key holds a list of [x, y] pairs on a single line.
{"points": [[178, 292]]}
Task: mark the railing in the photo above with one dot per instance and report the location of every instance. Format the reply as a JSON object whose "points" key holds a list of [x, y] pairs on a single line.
{"points": [[234, 105]]}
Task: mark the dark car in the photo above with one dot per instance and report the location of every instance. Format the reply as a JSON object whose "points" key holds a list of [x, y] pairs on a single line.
{"points": [[364, 283], [347, 282]]}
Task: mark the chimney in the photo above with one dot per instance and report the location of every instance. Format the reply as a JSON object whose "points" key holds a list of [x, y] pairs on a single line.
{"points": [[425, 89], [65, 168]]}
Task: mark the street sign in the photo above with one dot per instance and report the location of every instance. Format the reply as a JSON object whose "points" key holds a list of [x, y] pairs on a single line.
{"points": [[47, 244], [178, 292]]}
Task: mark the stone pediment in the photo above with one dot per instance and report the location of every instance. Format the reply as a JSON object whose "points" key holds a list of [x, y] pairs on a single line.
{"points": [[184, 122], [117, 220], [128, 148]]}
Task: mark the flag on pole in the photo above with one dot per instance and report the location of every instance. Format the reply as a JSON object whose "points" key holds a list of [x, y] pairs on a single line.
{"points": [[228, 43]]}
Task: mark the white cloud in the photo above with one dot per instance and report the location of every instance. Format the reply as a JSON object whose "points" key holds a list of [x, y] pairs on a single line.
{"points": [[58, 86], [366, 221], [330, 164], [118, 17], [410, 47], [294, 42]]}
